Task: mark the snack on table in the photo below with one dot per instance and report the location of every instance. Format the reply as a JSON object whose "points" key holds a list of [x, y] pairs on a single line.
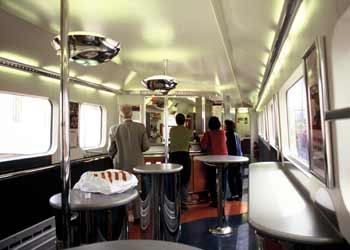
{"points": [[106, 182]]}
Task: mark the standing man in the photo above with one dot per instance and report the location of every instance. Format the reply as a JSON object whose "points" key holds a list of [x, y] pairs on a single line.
{"points": [[234, 172], [128, 141], [180, 138]]}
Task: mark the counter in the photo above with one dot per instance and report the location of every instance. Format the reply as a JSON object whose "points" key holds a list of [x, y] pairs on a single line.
{"points": [[278, 210], [157, 149]]}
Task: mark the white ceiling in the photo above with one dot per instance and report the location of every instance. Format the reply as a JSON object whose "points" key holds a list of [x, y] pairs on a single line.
{"points": [[218, 45]]}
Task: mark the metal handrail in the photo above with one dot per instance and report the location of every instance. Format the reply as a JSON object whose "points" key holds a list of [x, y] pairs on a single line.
{"points": [[6, 62], [338, 114], [41, 169]]}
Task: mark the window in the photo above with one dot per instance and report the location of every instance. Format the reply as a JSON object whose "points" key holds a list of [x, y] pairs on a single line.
{"points": [[25, 127], [273, 126], [276, 119], [271, 123], [297, 122], [260, 124], [90, 126], [266, 125]]}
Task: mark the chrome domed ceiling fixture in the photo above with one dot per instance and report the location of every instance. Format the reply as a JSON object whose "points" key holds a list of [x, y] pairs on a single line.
{"points": [[162, 83], [88, 49]]}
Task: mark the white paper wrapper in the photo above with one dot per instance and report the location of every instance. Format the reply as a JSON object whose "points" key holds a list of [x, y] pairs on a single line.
{"points": [[110, 181]]}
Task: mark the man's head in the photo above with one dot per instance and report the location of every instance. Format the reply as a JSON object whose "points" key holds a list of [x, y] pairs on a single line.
{"points": [[180, 119], [126, 111]]}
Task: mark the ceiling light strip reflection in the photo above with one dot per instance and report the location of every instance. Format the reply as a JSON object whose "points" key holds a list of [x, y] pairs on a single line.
{"points": [[287, 21], [47, 73]]}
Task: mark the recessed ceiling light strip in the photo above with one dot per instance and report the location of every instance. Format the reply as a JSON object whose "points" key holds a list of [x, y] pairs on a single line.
{"points": [[223, 31], [290, 12], [47, 73]]}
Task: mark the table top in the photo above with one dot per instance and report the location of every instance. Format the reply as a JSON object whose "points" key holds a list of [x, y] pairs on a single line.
{"points": [[279, 210], [80, 201], [222, 158], [163, 168], [136, 245]]}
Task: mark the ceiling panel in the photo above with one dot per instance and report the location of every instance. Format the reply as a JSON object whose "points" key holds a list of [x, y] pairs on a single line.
{"points": [[184, 32], [251, 27]]}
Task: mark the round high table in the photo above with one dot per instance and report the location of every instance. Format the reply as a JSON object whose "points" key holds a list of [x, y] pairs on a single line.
{"points": [[95, 217], [136, 245], [160, 201], [221, 162]]}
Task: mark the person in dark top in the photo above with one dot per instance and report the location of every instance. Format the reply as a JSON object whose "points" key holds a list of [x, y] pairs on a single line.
{"points": [[214, 142], [233, 143], [180, 138]]}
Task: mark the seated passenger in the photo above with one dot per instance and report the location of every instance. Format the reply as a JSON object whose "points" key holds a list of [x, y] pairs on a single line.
{"points": [[214, 142], [234, 172], [180, 137]]}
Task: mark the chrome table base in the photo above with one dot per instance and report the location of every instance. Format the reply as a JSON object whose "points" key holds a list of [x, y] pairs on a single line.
{"points": [[221, 230], [221, 162]]}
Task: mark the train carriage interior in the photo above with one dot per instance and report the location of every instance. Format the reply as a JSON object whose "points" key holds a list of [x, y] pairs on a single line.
{"points": [[71, 70]]}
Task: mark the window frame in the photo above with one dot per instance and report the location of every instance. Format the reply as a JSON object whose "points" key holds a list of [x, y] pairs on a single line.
{"points": [[262, 124], [260, 130], [272, 125], [52, 145], [278, 121], [102, 142], [305, 165], [275, 101], [273, 110], [266, 123]]}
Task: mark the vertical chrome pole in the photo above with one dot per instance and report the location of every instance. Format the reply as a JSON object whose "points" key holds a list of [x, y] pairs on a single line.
{"points": [[203, 115], [64, 122], [166, 132], [166, 129]]}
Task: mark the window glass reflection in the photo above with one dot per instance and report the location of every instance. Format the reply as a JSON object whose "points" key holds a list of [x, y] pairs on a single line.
{"points": [[297, 122], [25, 126]]}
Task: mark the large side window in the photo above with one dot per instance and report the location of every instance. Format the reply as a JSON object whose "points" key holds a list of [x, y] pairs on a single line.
{"points": [[260, 124], [25, 127], [297, 122], [271, 123], [90, 126], [276, 119], [266, 125]]}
